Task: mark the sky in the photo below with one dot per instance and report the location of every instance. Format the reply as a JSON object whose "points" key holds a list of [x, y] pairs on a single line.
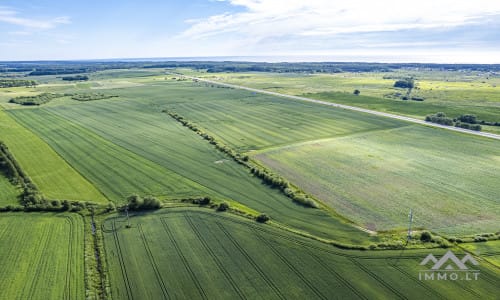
{"points": [[451, 31]]}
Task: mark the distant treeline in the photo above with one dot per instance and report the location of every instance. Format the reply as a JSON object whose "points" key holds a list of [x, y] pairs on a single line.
{"points": [[91, 97], [6, 83], [78, 67], [76, 78]]}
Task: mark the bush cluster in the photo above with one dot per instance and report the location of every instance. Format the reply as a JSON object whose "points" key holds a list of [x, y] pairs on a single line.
{"points": [[439, 118], [35, 100], [407, 83], [463, 121], [91, 97], [76, 78], [135, 202]]}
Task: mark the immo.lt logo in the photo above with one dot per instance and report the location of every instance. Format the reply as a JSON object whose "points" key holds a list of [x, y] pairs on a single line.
{"points": [[449, 267]]}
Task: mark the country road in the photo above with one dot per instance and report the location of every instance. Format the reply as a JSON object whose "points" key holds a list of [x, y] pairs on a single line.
{"points": [[368, 111]]}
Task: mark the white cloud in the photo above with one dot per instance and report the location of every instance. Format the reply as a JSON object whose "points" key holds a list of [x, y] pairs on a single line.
{"points": [[12, 17], [273, 18]]}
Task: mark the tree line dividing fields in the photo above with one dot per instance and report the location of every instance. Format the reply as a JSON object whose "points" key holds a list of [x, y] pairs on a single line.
{"points": [[145, 131], [198, 254], [41, 256], [397, 167]]}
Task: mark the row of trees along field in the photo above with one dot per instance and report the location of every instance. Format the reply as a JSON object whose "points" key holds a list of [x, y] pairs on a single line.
{"points": [[7, 83], [463, 121], [267, 176]]}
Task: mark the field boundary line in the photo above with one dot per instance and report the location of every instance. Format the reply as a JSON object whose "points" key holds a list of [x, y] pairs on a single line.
{"points": [[183, 259], [219, 264], [153, 263], [343, 106]]}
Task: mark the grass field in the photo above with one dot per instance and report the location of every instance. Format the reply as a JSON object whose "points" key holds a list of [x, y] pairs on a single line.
{"points": [[198, 254], [490, 252], [8, 192], [447, 179], [117, 172], [454, 93], [53, 176], [41, 256], [140, 129]]}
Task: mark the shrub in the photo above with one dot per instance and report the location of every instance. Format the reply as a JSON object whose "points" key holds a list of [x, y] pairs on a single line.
{"points": [[223, 206], [357, 92], [425, 236], [479, 239], [262, 218]]}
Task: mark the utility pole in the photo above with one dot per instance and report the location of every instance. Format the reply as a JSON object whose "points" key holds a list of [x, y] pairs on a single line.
{"points": [[128, 219], [410, 217]]}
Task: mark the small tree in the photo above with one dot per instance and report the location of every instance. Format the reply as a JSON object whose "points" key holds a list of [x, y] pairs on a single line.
{"points": [[425, 236], [262, 218], [223, 206]]}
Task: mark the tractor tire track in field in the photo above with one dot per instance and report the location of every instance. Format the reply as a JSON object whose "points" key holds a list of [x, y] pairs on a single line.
{"points": [[40, 261], [378, 279], [128, 289], [184, 260], [339, 277], [353, 108], [419, 282], [219, 264], [153, 263], [251, 261], [291, 266], [302, 243], [67, 288]]}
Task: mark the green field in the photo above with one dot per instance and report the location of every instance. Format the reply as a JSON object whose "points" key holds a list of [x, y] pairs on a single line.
{"points": [[114, 170], [448, 179], [53, 176], [489, 252], [198, 254], [8, 192], [139, 128], [41, 256], [454, 93], [364, 168]]}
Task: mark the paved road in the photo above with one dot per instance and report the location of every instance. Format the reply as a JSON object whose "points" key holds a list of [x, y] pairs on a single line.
{"points": [[368, 111]]}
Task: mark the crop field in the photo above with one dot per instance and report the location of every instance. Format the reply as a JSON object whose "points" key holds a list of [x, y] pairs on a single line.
{"points": [[197, 254], [114, 170], [489, 252], [51, 173], [454, 93], [375, 178], [141, 130], [8, 192], [41, 256], [367, 171]]}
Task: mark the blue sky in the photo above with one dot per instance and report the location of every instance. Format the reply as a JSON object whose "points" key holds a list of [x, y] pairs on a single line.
{"points": [[387, 30]]}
